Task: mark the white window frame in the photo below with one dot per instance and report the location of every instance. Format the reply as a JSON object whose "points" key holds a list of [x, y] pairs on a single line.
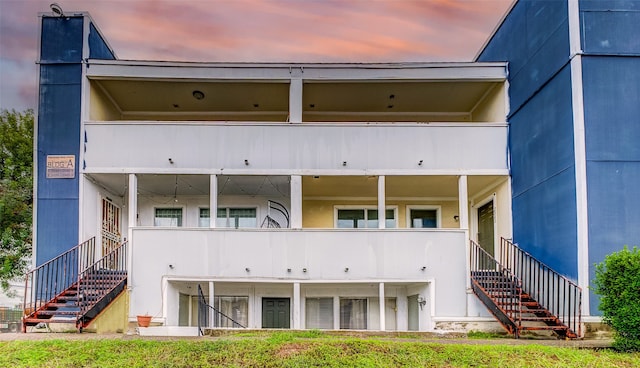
{"points": [[230, 207], [181, 208], [437, 208], [336, 208]]}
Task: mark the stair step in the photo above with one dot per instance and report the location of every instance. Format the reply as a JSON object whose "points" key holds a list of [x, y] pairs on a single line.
{"points": [[68, 297], [62, 305], [47, 312]]}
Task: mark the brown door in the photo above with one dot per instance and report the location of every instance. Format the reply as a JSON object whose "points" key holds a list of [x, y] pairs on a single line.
{"points": [[486, 228]]}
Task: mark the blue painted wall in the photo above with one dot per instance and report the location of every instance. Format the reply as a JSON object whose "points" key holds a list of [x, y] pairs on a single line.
{"points": [[534, 39], [98, 48], [611, 79], [58, 133]]}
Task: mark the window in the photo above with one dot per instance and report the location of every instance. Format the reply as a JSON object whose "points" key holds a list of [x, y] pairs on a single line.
{"points": [[423, 217], [353, 314], [358, 218], [319, 313], [234, 307], [237, 218], [205, 215], [170, 217]]}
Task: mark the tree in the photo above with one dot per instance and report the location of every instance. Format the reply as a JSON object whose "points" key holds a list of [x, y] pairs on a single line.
{"points": [[16, 193]]}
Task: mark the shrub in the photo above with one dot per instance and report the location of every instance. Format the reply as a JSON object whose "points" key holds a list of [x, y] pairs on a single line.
{"points": [[618, 283]]}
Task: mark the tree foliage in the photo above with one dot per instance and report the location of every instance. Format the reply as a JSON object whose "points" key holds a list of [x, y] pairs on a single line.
{"points": [[16, 193], [618, 283]]}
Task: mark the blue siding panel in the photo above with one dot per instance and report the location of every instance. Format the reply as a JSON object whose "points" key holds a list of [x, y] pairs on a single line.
{"points": [[98, 48], [544, 222], [61, 39], [57, 227], [612, 107], [611, 32], [613, 211], [58, 134], [541, 135], [534, 39]]}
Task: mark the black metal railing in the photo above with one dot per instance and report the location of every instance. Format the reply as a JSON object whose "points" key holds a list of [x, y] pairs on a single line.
{"points": [[553, 291], [53, 277], [495, 280], [97, 280], [206, 312]]}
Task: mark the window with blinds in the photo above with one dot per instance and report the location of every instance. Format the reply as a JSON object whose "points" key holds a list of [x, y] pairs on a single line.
{"points": [[169, 217], [319, 313], [230, 217], [349, 218], [353, 314]]}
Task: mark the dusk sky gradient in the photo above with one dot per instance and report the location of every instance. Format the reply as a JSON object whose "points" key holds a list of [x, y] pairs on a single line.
{"points": [[254, 31]]}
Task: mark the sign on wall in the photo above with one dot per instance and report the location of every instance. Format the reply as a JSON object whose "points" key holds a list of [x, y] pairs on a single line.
{"points": [[61, 166]]}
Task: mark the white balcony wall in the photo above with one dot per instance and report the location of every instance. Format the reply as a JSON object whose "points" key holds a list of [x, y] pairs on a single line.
{"points": [[266, 255], [291, 148]]}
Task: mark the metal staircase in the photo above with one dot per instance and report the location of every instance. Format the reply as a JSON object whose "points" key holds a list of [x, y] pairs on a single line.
{"points": [[73, 288], [523, 293]]}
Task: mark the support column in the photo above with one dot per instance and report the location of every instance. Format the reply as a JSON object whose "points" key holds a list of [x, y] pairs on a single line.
{"points": [[295, 97], [336, 312], [296, 305], [132, 208], [296, 202], [463, 209], [211, 303], [213, 200], [383, 312], [381, 202]]}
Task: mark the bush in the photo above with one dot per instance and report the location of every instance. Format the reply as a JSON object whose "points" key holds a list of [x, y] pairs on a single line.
{"points": [[618, 283]]}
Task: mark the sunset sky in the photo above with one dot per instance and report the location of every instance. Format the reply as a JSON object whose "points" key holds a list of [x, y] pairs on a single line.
{"points": [[254, 30]]}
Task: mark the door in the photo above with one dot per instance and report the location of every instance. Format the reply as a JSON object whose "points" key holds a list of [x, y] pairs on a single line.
{"points": [[275, 312], [390, 308], [486, 227], [412, 309], [111, 235]]}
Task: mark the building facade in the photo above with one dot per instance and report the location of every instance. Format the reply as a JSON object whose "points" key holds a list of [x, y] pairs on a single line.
{"points": [[263, 184]]}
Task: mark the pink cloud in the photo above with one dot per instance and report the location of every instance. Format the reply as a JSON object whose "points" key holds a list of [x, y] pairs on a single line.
{"points": [[262, 30]]}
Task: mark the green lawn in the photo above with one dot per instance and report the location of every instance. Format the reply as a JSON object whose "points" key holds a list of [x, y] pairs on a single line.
{"points": [[289, 349]]}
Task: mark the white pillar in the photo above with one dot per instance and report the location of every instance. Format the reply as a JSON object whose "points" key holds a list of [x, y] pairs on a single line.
{"points": [[213, 200], [336, 312], [296, 305], [463, 209], [295, 98], [211, 303], [382, 307], [381, 203], [296, 202], [132, 207]]}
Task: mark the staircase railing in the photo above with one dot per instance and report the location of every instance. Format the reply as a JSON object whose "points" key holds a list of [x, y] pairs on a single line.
{"points": [[53, 277], [204, 316], [109, 270], [556, 293], [485, 267]]}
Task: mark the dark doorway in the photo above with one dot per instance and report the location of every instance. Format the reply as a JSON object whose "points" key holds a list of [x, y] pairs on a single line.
{"points": [[486, 227], [276, 312]]}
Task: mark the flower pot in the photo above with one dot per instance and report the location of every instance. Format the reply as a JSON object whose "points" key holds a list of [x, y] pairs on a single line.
{"points": [[143, 321]]}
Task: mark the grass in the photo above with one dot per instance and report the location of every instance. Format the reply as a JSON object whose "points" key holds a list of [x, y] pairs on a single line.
{"points": [[298, 349]]}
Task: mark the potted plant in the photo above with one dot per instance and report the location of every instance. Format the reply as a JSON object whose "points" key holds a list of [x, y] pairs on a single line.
{"points": [[144, 320]]}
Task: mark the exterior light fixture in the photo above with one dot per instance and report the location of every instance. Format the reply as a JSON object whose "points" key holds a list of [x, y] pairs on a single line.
{"points": [[247, 269], [456, 218], [56, 9], [304, 270], [288, 270], [346, 269], [198, 95], [246, 162], [423, 268], [170, 160], [344, 163], [420, 163]]}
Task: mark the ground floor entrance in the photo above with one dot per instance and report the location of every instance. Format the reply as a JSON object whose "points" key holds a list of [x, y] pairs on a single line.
{"points": [[276, 312]]}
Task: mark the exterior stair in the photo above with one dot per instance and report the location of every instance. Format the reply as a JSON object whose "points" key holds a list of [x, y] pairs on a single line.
{"points": [[73, 287], [527, 296]]}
